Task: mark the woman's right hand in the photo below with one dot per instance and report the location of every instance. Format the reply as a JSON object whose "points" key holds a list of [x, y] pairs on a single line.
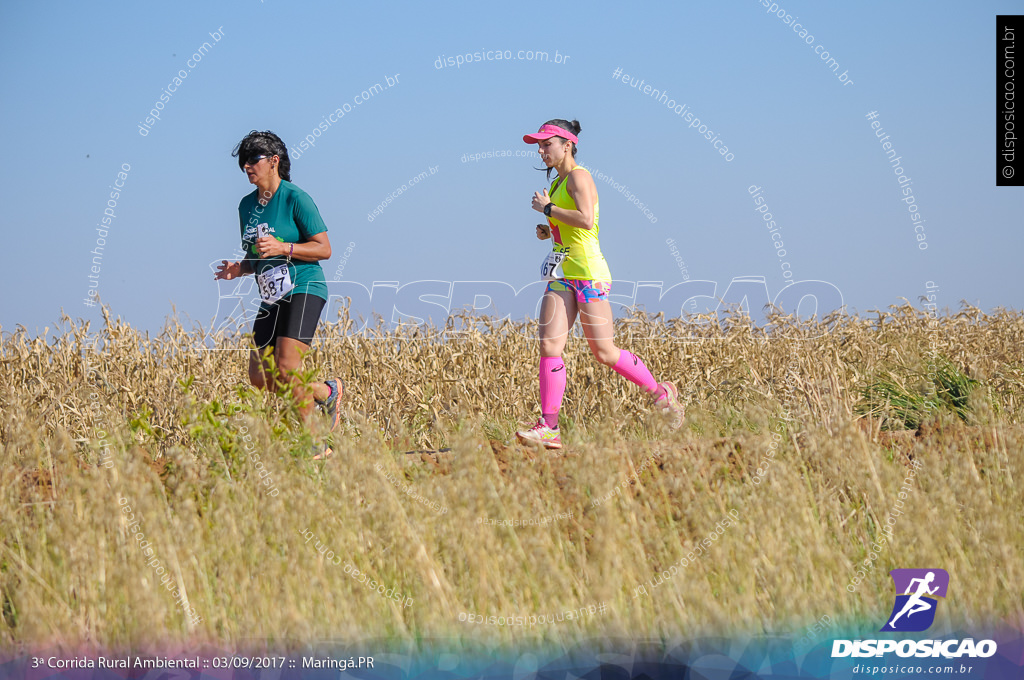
{"points": [[543, 232], [228, 270]]}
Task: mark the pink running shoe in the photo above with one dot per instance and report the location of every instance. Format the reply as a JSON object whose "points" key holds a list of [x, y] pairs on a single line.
{"points": [[541, 434], [670, 406]]}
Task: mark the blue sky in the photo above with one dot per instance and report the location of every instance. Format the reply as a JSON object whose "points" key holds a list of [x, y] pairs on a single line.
{"points": [[80, 78]]}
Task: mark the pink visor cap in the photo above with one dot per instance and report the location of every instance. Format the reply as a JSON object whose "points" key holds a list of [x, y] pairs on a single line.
{"points": [[549, 131]]}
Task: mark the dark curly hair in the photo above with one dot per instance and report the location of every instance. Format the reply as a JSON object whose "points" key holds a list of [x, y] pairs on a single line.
{"points": [[264, 143], [573, 127]]}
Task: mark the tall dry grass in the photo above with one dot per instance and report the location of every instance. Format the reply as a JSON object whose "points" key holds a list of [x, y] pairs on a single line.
{"points": [[175, 416]]}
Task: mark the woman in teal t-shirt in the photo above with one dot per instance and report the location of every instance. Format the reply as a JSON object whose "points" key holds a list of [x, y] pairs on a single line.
{"points": [[284, 239]]}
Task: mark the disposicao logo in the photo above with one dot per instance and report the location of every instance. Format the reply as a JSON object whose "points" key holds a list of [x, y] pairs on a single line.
{"points": [[914, 609], [917, 593]]}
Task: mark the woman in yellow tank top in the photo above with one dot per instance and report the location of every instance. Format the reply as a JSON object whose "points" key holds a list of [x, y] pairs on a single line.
{"points": [[579, 282]]}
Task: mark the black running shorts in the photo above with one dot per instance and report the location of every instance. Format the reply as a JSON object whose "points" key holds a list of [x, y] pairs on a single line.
{"points": [[296, 317]]}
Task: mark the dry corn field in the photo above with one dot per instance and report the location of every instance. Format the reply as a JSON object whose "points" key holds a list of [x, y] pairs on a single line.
{"points": [[148, 493]]}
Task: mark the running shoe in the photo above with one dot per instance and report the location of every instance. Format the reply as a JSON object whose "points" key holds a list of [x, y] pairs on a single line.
{"points": [[541, 434], [670, 406], [330, 405]]}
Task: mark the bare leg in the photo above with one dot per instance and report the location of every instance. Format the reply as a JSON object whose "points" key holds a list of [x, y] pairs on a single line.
{"points": [[260, 373], [288, 354], [557, 315], [599, 330], [275, 375]]}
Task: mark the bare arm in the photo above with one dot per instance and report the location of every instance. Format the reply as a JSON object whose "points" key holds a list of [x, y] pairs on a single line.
{"points": [[232, 270], [317, 248], [580, 186]]}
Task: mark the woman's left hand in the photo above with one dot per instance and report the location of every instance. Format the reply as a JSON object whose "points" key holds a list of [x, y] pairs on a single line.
{"points": [[268, 246], [540, 199]]}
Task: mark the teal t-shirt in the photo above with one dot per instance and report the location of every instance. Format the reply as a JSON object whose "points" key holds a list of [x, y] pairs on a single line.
{"points": [[292, 217]]}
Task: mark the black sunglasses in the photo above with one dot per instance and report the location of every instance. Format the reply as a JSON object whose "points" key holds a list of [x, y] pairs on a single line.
{"points": [[253, 161]]}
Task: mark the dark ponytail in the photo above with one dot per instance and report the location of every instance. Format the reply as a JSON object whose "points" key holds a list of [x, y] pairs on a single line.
{"points": [[264, 143], [573, 127]]}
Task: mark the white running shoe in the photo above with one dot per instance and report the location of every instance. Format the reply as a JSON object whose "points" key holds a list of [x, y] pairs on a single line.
{"points": [[541, 434], [670, 406]]}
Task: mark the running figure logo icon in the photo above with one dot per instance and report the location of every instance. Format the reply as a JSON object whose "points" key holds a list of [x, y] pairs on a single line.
{"points": [[917, 590]]}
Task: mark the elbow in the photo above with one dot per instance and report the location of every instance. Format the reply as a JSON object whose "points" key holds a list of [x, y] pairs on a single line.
{"points": [[326, 252]]}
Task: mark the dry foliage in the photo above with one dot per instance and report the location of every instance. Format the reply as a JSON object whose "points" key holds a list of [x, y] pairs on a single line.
{"points": [[175, 410]]}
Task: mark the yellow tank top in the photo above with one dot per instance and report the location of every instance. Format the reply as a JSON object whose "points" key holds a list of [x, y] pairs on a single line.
{"points": [[583, 259]]}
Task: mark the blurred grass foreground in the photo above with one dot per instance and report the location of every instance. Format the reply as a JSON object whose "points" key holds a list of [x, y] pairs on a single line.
{"points": [[147, 493]]}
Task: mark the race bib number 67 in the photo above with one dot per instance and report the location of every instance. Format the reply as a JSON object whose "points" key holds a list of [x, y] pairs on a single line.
{"points": [[551, 268], [274, 283]]}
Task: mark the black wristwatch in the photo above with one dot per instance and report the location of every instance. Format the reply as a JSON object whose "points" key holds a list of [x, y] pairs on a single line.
{"points": [[547, 209]]}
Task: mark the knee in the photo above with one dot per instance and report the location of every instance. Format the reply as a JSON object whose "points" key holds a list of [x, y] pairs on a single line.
{"points": [[609, 356], [551, 348], [287, 373]]}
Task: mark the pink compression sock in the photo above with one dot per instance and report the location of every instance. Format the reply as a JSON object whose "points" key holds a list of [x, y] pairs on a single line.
{"points": [[552, 388], [630, 366]]}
